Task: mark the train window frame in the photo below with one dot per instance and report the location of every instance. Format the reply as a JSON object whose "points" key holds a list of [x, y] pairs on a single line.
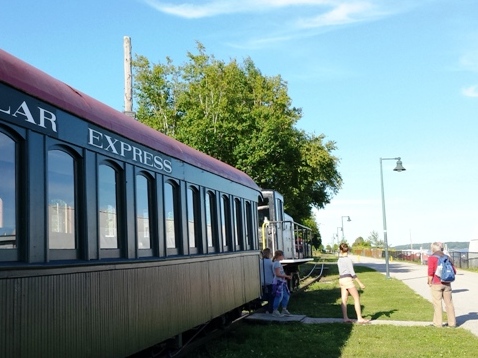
{"points": [[176, 211], [263, 201], [226, 223], [210, 211], [238, 224], [117, 252], [150, 195], [76, 155], [17, 136], [193, 207], [249, 226], [279, 210]]}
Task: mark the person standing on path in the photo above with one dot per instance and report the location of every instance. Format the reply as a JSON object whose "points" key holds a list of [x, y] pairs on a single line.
{"points": [[267, 278], [280, 287], [347, 286], [440, 290]]}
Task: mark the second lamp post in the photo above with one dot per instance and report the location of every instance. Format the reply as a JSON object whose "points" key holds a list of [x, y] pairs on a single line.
{"points": [[398, 168], [348, 219]]}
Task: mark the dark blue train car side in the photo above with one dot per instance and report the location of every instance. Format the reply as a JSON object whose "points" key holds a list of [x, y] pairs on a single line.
{"points": [[113, 236]]}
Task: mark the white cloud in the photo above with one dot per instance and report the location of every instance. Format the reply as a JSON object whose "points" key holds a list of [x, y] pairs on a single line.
{"points": [[344, 13], [194, 11], [292, 19], [332, 11], [471, 91], [469, 61]]}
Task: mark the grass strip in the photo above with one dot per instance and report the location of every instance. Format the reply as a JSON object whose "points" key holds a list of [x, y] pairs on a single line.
{"points": [[382, 299]]}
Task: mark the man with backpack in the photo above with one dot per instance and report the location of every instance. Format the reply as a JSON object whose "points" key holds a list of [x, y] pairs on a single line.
{"points": [[441, 273]]}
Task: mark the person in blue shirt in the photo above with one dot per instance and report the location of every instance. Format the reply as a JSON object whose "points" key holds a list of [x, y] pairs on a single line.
{"points": [[347, 286], [267, 278]]}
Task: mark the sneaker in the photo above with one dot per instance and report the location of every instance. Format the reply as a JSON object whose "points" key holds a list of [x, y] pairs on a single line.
{"points": [[285, 312], [276, 313]]}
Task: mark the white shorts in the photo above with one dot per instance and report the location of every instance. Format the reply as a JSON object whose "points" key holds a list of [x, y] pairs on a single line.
{"points": [[346, 282]]}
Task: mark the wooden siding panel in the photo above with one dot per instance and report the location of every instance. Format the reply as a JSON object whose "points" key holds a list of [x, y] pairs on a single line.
{"points": [[8, 309], [117, 311], [218, 279], [250, 268]]}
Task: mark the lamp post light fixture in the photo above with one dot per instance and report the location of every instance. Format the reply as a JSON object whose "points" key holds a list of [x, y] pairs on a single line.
{"points": [[398, 168], [348, 219], [338, 237]]}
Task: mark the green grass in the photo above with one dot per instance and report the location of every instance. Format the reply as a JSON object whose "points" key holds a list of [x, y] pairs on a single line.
{"points": [[382, 299], [340, 340]]}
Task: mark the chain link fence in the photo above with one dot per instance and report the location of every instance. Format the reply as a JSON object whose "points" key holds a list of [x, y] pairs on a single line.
{"points": [[460, 259]]}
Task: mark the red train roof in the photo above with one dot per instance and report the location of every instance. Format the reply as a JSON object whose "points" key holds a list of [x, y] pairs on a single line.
{"points": [[36, 83]]}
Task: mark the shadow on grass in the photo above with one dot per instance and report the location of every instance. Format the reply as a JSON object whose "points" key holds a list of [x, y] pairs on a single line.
{"points": [[322, 299], [325, 301], [379, 314]]}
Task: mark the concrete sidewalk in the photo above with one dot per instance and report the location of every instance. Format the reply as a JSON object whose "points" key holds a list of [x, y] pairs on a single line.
{"points": [[465, 287]]}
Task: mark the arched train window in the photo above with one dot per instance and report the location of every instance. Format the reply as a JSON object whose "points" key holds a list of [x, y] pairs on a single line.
{"points": [[210, 219], [8, 193], [248, 227], [143, 215], [193, 218], [61, 200], [171, 205], [108, 207], [226, 223], [238, 227]]}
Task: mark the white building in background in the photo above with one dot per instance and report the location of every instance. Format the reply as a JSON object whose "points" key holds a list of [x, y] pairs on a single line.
{"points": [[473, 246]]}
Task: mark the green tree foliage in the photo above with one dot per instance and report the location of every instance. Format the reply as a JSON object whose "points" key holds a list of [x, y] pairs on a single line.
{"points": [[360, 242], [374, 240], [237, 115], [316, 238]]}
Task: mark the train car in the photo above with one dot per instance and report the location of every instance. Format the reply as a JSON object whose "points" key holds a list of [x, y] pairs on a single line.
{"points": [[113, 236], [278, 231]]}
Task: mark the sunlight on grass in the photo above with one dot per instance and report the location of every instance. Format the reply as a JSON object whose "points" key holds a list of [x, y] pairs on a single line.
{"points": [[382, 299], [339, 340]]}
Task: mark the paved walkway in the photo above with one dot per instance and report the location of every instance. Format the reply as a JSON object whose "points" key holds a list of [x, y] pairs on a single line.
{"points": [[465, 287], [310, 320], [465, 295]]}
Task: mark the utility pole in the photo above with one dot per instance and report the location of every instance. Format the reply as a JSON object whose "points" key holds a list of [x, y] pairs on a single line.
{"points": [[128, 78]]}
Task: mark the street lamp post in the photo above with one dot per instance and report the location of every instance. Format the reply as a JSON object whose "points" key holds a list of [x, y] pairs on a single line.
{"points": [[348, 219], [398, 168]]}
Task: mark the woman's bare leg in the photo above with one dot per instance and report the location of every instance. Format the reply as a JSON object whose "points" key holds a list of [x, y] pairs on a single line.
{"points": [[358, 309], [344, 297]]}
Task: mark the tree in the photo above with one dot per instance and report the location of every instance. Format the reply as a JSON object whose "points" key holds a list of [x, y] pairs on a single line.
{"points": [[359, 241], [316, 241], [235, 114], [374, 240]]}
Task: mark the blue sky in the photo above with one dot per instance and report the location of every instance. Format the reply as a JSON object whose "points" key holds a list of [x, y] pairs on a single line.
{"points": [[381, 78]]}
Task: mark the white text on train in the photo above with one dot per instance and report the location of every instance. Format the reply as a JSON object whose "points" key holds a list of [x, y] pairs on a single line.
{"points": [[24, 111], [118, 147]]}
